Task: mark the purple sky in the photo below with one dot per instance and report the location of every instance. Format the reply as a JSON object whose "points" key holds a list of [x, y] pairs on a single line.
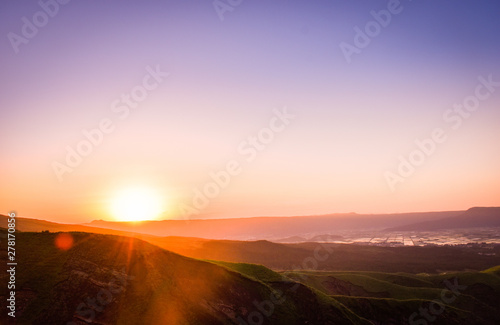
{"points": [[352, 120]]}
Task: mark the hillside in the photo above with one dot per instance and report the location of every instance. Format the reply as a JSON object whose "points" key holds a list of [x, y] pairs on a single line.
{"points": [[129, 281], [451, 298], [104, 279], [277, 256], [340, 257], [472, 218], [36, 225]]}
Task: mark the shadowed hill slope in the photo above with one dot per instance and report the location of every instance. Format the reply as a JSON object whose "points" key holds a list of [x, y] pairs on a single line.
{"points": [[383, 298], [106, 279], [339, 257], [277, 256]]}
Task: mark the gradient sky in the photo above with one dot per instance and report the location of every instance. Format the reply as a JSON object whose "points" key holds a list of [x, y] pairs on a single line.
{"points": [[352, 120]]}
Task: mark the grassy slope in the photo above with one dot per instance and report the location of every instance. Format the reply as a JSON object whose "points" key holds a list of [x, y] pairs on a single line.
{"points": [[49, 274], [494, 270], [341, 256], [167, 288], [384, 293], [290, 256], [404, 294], [278, 282]]}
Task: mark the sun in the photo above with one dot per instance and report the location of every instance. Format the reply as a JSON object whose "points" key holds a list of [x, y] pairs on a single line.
{"points": [[136, 204]]}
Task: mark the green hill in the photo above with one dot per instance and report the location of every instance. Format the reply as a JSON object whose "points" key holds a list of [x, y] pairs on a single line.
{"points": [[130, 281], [108, 279], [341, 257], [388, 298], [384, 298]]}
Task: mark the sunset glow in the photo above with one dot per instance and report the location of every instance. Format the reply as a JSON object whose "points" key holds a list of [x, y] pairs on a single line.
{"points": [[186, 91], [136, 204], [250, 162]]}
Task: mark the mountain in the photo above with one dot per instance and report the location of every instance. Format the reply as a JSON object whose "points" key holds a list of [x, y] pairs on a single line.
{"points": [[292, 239], [272, 227], [472, 218]]}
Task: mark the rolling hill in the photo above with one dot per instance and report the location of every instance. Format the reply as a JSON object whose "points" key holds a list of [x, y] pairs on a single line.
{"points": [[107, 279], [278, 256], [338, 257]]}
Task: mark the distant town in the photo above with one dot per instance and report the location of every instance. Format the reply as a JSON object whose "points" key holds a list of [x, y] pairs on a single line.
{"points": [[472, 237]]}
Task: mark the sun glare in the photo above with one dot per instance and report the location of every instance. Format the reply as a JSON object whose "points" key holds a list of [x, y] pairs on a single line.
{"points": [[136, 204]]}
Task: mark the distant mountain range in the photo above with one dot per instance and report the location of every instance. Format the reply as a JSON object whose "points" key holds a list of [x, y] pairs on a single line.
{"points": [[273, 228], [294, 251], [472, 218], [289, 229]]}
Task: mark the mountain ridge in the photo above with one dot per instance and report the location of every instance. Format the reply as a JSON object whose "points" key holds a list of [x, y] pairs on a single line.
{"points": [[472, 218], [271, 227]]}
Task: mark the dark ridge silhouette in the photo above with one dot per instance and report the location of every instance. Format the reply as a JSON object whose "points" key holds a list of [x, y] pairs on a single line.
{"points": [[272, 227], [472, 218]]}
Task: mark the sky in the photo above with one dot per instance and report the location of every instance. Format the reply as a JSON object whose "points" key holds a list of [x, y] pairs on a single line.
{"points": [[248, 108]]}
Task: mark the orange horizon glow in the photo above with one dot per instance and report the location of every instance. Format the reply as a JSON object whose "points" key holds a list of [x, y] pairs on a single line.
{"points": [[269, 112]]}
